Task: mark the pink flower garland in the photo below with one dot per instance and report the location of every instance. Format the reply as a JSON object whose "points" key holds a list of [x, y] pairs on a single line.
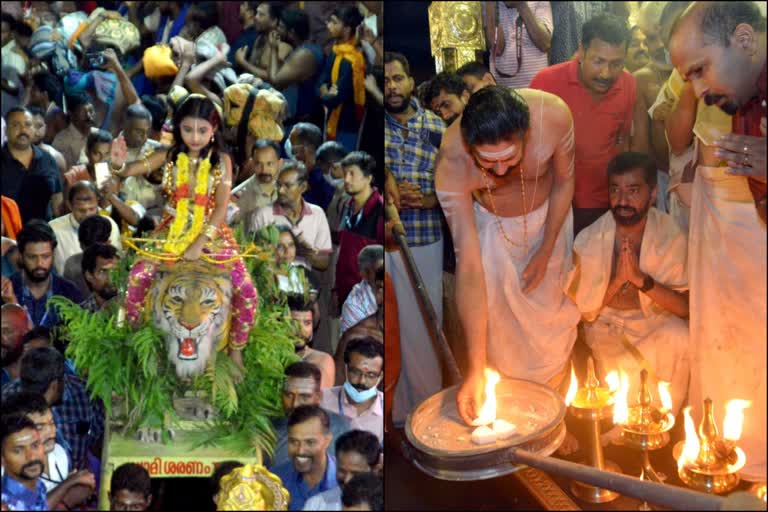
{"points": [[245, 298]]}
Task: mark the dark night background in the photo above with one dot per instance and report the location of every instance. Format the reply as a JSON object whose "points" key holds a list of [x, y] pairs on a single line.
{"points": [[407, 32]]}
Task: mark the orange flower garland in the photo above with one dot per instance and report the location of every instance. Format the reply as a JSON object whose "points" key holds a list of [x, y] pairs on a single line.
{"points": [[179, 238]]}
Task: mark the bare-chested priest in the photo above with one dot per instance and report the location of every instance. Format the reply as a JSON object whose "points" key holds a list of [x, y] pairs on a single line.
{"points": [[505, 182]]}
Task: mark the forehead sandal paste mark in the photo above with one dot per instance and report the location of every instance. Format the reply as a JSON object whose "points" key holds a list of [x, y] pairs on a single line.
{"points": [[494, 155]]}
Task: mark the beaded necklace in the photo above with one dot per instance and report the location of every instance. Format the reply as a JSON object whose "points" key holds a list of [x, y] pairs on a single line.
{"points": [[522, 189]]}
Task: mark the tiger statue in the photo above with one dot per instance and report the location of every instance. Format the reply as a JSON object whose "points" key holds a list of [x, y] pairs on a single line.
{"points": [[190, 302]]}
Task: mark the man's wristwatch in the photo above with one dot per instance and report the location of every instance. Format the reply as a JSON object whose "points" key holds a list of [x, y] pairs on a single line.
{"points": [[648, 284]]}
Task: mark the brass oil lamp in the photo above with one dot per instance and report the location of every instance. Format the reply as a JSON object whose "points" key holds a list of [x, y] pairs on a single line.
{"points": [[709, 462], [646, 427], [591, 404]]}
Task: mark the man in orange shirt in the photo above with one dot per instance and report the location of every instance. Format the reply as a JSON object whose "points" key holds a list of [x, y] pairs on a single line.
{"points": [[607, 116]]}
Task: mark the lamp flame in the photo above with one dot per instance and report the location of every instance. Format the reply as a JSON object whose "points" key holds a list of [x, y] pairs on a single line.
{"points": [[692, 445], [572, 388], [488, 410], [665, 396], [612, 379], [621, 407], [734, 418]]}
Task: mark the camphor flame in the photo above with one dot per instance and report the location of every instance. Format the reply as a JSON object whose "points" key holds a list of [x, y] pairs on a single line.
{"points": [[692, 445], [572, 388], [665, 396], [734, 418], [612, 379], [621, 407], [488, 410]]}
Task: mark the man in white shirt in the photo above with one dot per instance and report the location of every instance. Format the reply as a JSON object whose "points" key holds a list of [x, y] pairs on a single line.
{"points": [[359, 400], [84, 200], [15, 36], [64, 487], [357, 452], [306, 220]]}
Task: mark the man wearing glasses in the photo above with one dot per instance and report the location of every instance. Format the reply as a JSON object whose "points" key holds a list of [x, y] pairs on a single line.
{"points": [[307, 221], [359, 399]]}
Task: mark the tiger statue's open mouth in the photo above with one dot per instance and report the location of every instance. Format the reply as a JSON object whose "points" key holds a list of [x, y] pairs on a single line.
{"points": [[187, 349], [191, 304]]}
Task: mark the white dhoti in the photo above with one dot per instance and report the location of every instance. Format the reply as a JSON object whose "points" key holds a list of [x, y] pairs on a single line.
{"points": [[420, 374], [727, 254], [662, 340], [530, 336]]}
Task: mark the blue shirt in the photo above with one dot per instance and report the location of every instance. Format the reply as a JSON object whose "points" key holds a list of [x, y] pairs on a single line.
{"points": [[246, 38], [413, 158], [320, 192], [295, 485], [33, 187], [338, 425], [79, 419], [19, 497], [69, 369], [37, 307]]}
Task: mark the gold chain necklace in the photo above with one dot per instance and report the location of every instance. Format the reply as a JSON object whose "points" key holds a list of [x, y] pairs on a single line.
{"points": [[499, 226]]}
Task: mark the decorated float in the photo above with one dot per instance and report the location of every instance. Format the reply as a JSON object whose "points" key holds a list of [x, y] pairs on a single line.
{"points": [[175, 402]]}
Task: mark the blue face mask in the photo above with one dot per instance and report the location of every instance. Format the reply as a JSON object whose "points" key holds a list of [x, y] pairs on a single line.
{"points": [[358, 396]]}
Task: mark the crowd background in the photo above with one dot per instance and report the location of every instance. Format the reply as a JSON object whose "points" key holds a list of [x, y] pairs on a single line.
{"points": [[294, 94]]}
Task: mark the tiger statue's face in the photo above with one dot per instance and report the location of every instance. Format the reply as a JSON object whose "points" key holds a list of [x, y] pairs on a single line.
{"points": [[191, 304]]}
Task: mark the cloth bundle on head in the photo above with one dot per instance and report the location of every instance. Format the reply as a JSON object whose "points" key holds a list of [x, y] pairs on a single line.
{"points": [[158, 62], [268, 110], [262, 109], [252, 487], [176, 95], [121, 34], [51, 44], [102, 83], [206, 46], [349, 52], [247, 78]]}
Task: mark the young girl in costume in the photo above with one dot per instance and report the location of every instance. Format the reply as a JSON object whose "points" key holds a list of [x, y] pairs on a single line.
{"points": [[197, 179]]}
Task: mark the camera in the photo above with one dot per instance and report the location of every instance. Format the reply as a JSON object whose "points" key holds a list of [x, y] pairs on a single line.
{"points": [[95, 60]]}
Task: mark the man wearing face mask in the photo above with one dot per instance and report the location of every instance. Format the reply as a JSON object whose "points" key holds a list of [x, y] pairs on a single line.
{"points": [[22, 459], [359, 399], [98, 261], [630, 282], [357, 453], [311, 469], [67, 488], [302, 387]]}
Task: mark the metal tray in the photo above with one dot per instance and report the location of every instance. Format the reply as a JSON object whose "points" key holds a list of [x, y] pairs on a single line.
{"points": [[439, 442]]}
